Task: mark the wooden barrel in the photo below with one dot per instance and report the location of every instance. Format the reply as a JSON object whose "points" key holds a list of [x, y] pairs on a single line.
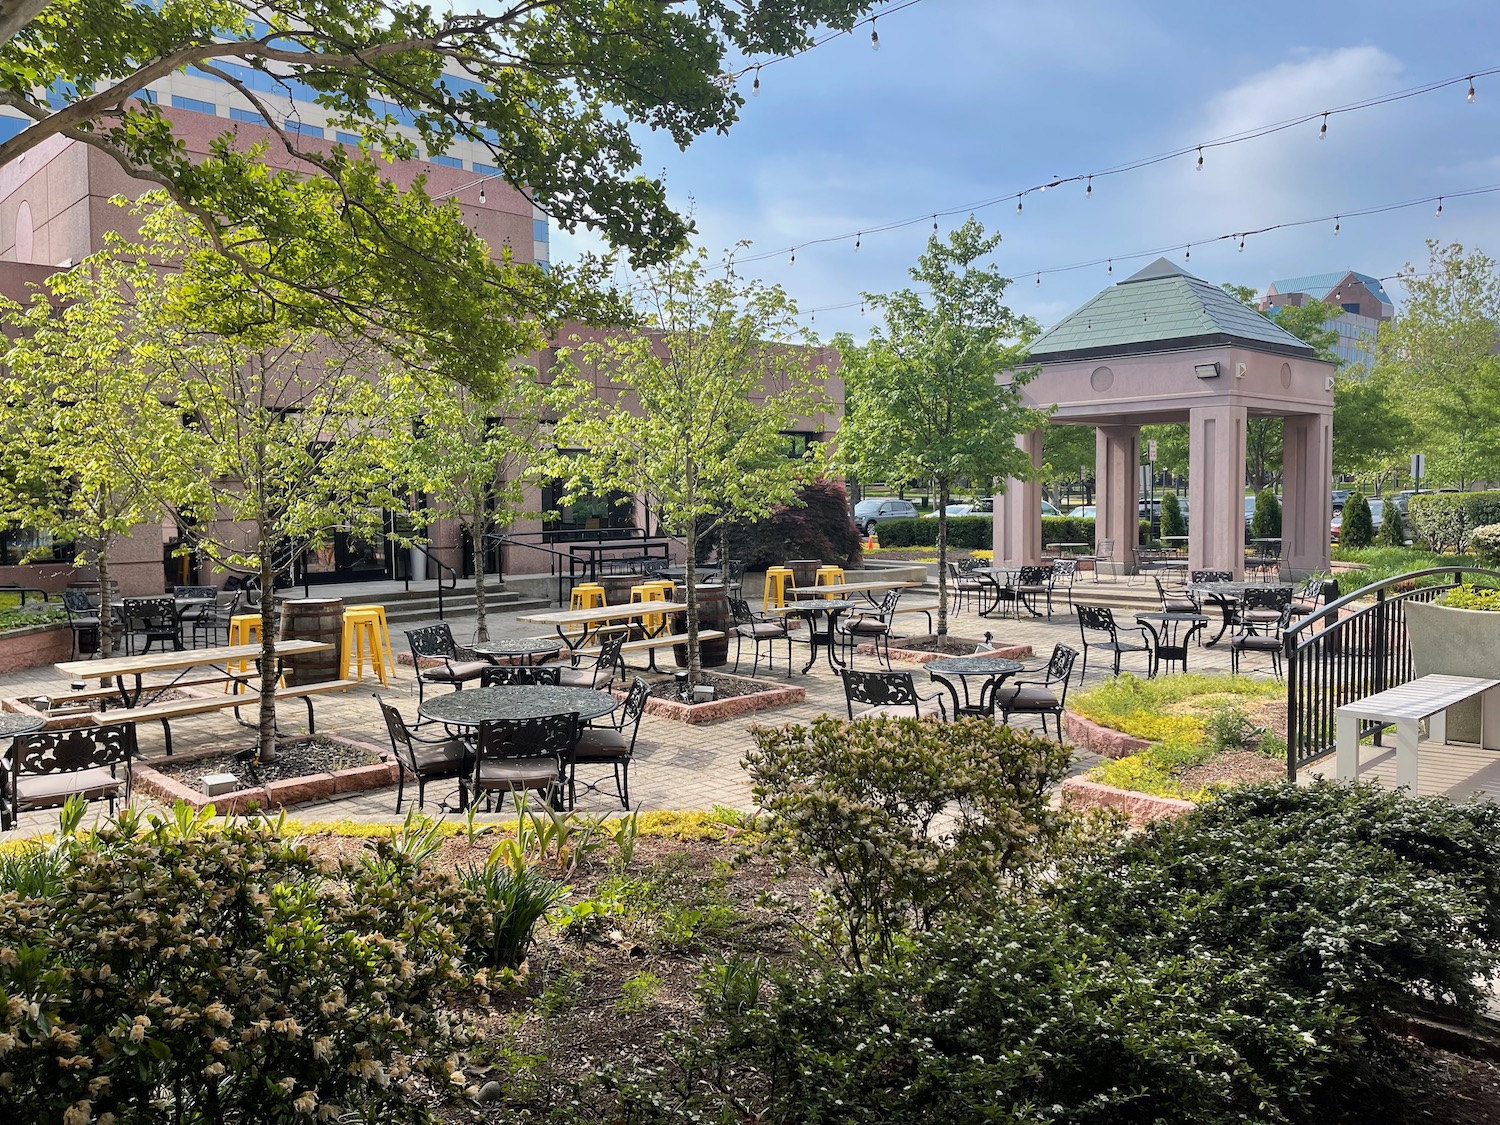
{"points": [[804, 571], [312, 619], [617, 587], [713, 613]]}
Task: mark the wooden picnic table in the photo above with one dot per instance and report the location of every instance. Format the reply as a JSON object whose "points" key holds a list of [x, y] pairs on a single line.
{"points": [[841, 588], [178, 660], [592, 621]]}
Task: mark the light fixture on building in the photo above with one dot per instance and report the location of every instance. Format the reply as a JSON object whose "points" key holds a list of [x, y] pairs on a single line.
{"points": [[1206, 370]]}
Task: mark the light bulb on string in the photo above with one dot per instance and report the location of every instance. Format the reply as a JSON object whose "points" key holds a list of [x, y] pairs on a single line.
{"points": [[1440, 205], [1323, 130], [1038, 281], [793, 262], [1111, 269], [857, 239], [1471, 89], [1336, 224], [1242, 244], [934, 225], [1200, 158], [874, 37], [1088, 191], [1018, 204], [755, 86], [1188, 257], [481, 193]]}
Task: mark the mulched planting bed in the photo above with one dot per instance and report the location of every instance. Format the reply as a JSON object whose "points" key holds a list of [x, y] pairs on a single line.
{"points": [[1233, 767], [948, 646], [149, 696], [725, 687], [294, 758]]}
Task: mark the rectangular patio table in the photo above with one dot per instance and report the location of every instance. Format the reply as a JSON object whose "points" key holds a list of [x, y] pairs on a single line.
{"points": [[180, 661], [592, 621], [842, 589], [1426, 697]]}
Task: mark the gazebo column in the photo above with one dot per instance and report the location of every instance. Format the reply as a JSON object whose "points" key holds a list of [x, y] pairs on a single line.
{"points": [[1018, 511], [1307, 479], [1216, 489], [1117, 497]]}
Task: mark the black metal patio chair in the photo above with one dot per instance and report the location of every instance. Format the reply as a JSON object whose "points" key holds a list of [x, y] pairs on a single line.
{"points": [[1047, 696], [612, 746], [889, 694], [1099, 619], [438, 659], [760, 630], [426, 759], [523, 755], [521, 675]]}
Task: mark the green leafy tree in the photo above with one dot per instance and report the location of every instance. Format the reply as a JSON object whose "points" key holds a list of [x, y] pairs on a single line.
{"points": [[472, 456], [71, 404], [935, 394], [551, 89], [1172, 523], [690, 412], [1371, 435], [1437, 361], [1358, 529], [1265, 522]]}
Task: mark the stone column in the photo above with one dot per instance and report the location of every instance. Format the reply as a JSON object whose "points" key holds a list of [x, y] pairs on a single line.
{"points": [[1117, 497], [1216, 489], [1307, 506], [1018, 511]]}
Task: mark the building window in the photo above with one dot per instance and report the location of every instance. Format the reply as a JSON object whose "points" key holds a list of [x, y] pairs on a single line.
{"points": [[447, 161], [246, 115], [197, 105], [539, 232], [344, 138], [800, 441], [486, 169], [23, 545], [303, 130]]}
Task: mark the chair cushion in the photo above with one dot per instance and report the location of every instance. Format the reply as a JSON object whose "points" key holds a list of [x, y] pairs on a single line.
{"points": [[1259, 643], [601, 744], [760, 630], [435, 757], [590, 677], [459, 672], [1179, 605], [40, 790], [1026, 698], [866, 627], [523, 773]]}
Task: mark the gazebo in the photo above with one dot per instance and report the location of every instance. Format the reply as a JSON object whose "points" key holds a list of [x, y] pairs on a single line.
{"points": [[1163, 346]]}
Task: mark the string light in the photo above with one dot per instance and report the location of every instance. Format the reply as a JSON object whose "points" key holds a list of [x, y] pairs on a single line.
{"points": [[934, 225], [1188, 257], [1018, 203], [1088, 191], [874, 37], [1038, 280], [755, 88], [1111, 269], [1242, 244], [857, 238], [1323, 132], [793, 262], [1440, 205], [481, 193], [1335, 224], [1200, 158], [1471, 89]]}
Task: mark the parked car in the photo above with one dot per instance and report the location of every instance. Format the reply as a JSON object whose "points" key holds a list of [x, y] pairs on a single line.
{"points": [[953, 510], [1340, 498], [1049, 508], [1377, 517], [1082, 512], [868, 513]]}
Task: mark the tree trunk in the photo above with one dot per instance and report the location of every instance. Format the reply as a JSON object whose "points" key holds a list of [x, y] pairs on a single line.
{"points": [[106, 610], [481, 624], [266, 727], [690, 581], [942, 539]]}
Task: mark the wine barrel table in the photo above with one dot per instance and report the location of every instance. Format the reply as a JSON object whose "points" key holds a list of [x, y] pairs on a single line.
{"points": [[313, 619]]}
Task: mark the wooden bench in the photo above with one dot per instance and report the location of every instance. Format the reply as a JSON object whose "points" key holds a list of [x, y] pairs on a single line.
{"points": [[1427, 697], [164, 713]]}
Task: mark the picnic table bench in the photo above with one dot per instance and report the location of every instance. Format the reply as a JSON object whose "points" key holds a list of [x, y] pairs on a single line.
{"points": [[1426, 697], [164, 713], [592, 622]]}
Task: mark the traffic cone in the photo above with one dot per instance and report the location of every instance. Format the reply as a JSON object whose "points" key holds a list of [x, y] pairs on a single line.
{"points": [[872, 542]]}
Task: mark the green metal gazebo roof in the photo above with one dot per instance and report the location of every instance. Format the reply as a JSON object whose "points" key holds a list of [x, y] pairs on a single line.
{"points": [[1161, 308]]}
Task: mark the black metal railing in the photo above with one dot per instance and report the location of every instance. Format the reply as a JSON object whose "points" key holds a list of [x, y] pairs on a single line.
{"points": [[1348, 650], [586, 556], [441, 567]]}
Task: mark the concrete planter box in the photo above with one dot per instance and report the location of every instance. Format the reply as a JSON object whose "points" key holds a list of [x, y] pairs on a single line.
{"points": [[278, 794], [1104, 741], [1454, 642], [1141, 808], [35, 647], [694, 713]]}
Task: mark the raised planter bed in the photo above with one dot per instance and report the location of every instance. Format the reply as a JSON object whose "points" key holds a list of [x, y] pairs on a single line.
{"points": [[1141, 808], [69, 718], [276, 794], [35, 647], [922, 656], [778, 695], [1104, 741]]}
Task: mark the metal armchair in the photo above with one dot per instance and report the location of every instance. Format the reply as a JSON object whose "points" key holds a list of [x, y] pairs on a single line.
{"points": [[439, 660], [888, 694], [874, 626], [760, 630], [426, 759], [1099, 619], [1042, 697], [612, 746], [523, 754], [520, 675]]}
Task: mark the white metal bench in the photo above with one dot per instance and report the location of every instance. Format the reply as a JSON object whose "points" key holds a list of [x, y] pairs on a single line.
{"points": [[1427, 697]]}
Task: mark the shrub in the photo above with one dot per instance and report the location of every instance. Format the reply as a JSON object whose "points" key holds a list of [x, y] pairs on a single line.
{"points": [[1445, 519], [860, 802], [1392, 531], [1265, 523], [1472, 597], [178, 973], [1358, 528], [1484, 543], [821, 526], [1172, 522], [965, 532]]}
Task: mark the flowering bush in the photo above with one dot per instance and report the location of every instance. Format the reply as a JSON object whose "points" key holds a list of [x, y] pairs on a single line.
{"points": [[162, 971]]}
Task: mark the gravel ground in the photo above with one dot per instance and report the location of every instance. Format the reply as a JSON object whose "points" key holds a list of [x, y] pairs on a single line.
{"points": [[293, 759]]}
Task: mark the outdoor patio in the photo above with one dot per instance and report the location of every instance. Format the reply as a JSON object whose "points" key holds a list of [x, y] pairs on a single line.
{"points": [[681, 766]]}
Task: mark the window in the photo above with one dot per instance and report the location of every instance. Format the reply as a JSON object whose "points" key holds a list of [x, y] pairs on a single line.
{"points": [[539, 230], [197, 105], [344, 138], [24, 545], [246, 115], [304, 130], [447, 161], [799, 441], [486, 169]]}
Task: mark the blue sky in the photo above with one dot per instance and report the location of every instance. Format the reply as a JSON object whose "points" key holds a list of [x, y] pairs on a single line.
{"points": [[971, 99]]}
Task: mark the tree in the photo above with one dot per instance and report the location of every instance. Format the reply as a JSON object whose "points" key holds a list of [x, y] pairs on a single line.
{"points": [[698, 403], [1358, 527], [1371, 437], [1437, 361], [76, 416], [1172, 523], [552, 89], [471, 456], [1265, 522], [935, 394]]}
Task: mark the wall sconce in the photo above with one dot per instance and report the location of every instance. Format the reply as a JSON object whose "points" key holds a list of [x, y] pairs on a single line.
{"points": [[1206, 370]]}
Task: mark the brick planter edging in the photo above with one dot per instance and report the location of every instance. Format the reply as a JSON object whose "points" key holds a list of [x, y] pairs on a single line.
{"points": [[1103, 741], [1142, 808], [277, 794], [694, 713], [34, 647], [920, 656], [74, 720]]}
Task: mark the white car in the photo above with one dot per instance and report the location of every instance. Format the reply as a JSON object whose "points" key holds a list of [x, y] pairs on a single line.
{"points": [[953, 510], [1049, 508], [1082, 512]]}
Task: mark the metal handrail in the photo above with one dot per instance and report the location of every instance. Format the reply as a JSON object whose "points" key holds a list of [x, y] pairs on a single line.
{"points": [[442, 566], [588, 569], [1333, 659]]}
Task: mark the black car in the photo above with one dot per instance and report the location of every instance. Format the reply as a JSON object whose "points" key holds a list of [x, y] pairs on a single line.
{"points": [[1340, 498]]}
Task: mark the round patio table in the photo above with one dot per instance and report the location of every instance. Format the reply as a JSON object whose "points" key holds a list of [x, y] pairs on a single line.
{"points": [[994, 669], [1226, 595], [13, 724], [527, 650], [808, 609], [1169, 642], [479, 705]]}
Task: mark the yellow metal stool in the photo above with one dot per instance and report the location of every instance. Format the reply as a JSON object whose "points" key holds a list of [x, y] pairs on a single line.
{"points": [[829, 576], [587, 595], [361, 643], [244, 629], [778, 584], [388, 654], [651, 623]]}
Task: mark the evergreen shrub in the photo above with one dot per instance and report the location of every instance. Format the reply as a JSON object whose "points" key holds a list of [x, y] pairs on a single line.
{"points": [[1172, 522], [1265, 523], [1358, 529]]}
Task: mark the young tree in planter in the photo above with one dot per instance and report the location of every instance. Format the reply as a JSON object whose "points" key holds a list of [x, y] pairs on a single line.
{"points": [[935, 394], [70, 403], [690, 411]]}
